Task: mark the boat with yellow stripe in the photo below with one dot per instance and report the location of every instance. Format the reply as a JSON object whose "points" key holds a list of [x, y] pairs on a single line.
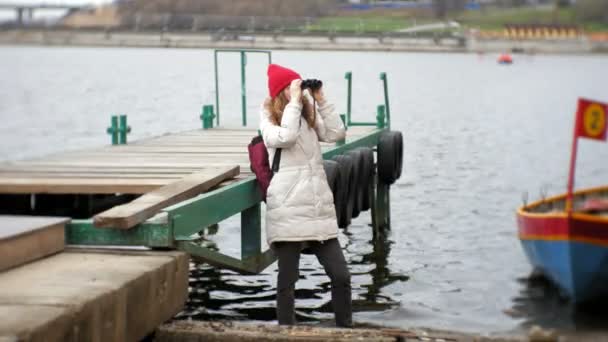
{"points": [[566, 237]]}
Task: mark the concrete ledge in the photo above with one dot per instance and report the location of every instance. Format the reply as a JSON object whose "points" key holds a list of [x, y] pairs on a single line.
{"points": [[82, 295], [27, 238]]}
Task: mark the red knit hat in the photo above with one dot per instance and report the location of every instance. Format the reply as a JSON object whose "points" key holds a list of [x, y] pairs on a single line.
{"points": [[279, 78]]}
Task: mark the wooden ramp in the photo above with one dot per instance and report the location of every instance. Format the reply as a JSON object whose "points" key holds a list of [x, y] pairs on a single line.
{"points": [[27, 238]]}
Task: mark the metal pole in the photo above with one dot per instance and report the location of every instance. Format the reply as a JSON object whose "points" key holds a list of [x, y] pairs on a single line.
{"points": [[380, 117], [251, 232], [388, 111], [123, 130], [217, 90], [113, 129], [571, 174], [243, 88], [349, 77], [341, 142]]}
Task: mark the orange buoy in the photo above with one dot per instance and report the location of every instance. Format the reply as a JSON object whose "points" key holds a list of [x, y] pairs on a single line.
{"points": [[505, 59]]}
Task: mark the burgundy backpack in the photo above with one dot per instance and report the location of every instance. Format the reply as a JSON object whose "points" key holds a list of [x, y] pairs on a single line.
{"points": [[258, 157]]}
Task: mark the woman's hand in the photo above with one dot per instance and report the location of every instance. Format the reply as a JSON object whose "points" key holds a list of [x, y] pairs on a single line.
{"points": [[318, 95], [295, 90]]}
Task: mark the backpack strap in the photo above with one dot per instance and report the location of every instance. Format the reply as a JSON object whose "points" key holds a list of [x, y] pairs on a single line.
{"points": [[276, 160]]}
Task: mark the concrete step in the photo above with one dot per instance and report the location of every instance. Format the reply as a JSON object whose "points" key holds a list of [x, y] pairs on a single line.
{"points": [[27, 238], [92, 295]]}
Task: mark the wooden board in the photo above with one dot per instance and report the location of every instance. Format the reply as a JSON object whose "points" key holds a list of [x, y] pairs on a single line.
{"points": [[128, 215], [27, 238]]}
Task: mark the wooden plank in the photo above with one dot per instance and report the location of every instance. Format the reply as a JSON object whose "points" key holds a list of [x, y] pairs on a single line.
{"points": [[132, 163], [27, 238], [128, 215], [97, 175], [26, 185], [180, 149]]}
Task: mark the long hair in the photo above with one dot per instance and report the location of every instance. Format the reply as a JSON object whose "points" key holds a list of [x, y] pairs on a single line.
{"points": [[276, 106]]}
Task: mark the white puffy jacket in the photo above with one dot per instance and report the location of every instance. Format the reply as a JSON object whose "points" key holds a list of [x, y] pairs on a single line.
{"points": [[299, 203]]}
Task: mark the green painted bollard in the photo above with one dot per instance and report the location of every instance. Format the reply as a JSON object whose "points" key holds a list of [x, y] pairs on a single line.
{"points": [[388, 110], [349, 78], [380, 117], [207, 116], [113, 129], [123, 129]]}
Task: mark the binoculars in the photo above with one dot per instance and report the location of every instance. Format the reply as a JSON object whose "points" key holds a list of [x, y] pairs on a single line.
{"points": [[311, 84]]}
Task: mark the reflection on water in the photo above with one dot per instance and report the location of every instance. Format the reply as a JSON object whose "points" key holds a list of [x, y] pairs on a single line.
{"points": [[541, 303], [223, 294]]}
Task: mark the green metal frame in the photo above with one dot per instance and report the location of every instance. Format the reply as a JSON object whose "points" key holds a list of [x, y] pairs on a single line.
{"points": [[186, 219], [349, 122], [243, 54]]}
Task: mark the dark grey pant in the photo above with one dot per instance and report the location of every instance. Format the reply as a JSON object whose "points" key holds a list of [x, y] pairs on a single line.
{"points": [[330, 256]]}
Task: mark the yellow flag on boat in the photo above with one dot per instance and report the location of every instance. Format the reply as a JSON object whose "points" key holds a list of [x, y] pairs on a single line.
{"points": [[591, 119]]}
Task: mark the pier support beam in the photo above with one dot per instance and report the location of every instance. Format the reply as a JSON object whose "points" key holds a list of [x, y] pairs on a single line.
{"points": [[251, 232]]}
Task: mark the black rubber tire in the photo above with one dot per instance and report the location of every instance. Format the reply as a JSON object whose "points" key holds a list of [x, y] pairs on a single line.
{"points": [[331, 168], [343, 209], [367, 177], [355, 192], [390, 156], [332, 171], [399, 142]]}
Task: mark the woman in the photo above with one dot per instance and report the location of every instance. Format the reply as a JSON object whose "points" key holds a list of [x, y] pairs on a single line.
{"points": [[300, 209]]}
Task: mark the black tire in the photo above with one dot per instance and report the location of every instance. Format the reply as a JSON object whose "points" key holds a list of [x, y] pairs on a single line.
{"points": [[343, 209], [390, 156], [355, 193], [367, 177], [331, 168], [332, 171]]}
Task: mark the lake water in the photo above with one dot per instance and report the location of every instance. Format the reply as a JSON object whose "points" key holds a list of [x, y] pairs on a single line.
{"points": [[477, 135]]}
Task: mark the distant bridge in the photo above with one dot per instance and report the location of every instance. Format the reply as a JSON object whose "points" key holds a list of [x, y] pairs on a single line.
{"points": [[26, 11]]}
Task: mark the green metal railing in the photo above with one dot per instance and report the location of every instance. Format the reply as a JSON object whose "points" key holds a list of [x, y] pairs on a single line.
{"points": [[349, 89], [243, 54]]}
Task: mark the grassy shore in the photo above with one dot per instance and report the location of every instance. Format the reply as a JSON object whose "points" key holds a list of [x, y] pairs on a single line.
{"points": [[488, 19]]}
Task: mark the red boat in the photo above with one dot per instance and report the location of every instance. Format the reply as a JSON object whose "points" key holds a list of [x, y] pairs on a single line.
{"points": [[566, 237], [505, 59]]}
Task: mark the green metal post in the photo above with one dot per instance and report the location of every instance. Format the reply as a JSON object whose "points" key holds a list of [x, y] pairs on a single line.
{"points": [[113, 130], [251, 232], [211, 116], [203, 116], [243, 87], [123, 129], [388, 110], [349, 77], [380, 117], [217, 89], [207, 117], [341, 142]]}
